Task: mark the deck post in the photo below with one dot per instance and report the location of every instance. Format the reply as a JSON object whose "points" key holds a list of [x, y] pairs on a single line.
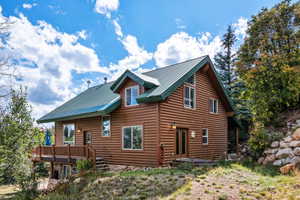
{"points": [[69, 153], [94, 158], [40, 152], [51, 170], [237, 140], [53, 151], [87, 151]]}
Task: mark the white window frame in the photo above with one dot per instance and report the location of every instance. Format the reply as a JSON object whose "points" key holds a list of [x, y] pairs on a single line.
{"points": [[189, 99], [190, 83], [206, 129], [102, 131], [68, 142], [215, 101], [142, 136], [138, 93]]}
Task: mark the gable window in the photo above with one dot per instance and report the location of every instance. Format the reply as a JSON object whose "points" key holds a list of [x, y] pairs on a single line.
{"points": [[131, 94], [191, 80], [189, 97], [205, 136], [132, 138], [106, 126], [69, 134], [213, 106]]}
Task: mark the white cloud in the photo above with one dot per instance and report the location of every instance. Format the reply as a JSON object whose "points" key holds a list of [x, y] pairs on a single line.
{"points": [[181, 46], [105, 7], [28, 6], [46, 59], [82, 34], [118, 29], [241, 27], [179, 23]]}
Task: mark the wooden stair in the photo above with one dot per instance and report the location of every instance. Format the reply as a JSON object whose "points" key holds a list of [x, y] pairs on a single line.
{"points": [[101, 164]]}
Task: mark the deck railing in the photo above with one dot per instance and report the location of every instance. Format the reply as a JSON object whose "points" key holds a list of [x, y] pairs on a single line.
{"points": [[66, 151]]}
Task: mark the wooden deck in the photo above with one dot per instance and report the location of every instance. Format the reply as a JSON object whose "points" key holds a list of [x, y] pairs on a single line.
{"points": [[63, 154]]}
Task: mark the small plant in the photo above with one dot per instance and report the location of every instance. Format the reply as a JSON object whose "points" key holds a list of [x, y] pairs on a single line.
{"points": [[223, 197], [83, 165]]}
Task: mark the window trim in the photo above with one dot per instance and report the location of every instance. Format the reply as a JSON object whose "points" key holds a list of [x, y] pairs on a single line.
{"points": [[190, 83], [217, 107], [138, 93], [184, 98], [63, 134], [102, 131], [142, 136], [204, 136]]}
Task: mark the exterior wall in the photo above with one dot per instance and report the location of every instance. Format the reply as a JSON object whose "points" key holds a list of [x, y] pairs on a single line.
{"points": [[111, 147], [172, 110]]}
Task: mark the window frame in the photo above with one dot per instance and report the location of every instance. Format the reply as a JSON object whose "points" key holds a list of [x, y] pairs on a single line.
{"points": [[138, 93], [102, 131], [206, 129], [142, 137], [190, 86], [73, 142], [68, 169], [215, 101]]}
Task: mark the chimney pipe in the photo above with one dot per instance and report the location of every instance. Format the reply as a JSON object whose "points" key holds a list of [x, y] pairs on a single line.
{"points": [[105, 80]]}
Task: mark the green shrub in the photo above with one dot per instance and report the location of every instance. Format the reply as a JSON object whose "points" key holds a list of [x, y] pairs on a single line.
{"points": [[83, 165], [185, 166]]}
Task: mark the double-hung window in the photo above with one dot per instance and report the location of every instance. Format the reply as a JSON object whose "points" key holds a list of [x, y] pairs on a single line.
{"points": [[106, 126], [69, 134], [133, 138], [131, 93], [213, 106], [205, 136], [189, 93]]}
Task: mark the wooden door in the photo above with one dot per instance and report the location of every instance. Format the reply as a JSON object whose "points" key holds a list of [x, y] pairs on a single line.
{"points": [[181, 142], [87, 137]]}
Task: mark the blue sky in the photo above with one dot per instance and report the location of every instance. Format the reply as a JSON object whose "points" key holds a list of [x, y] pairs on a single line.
{"points": [[60, 44]]}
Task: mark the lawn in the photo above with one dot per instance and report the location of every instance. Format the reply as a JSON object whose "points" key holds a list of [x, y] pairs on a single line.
{"points": [[225, 181]]}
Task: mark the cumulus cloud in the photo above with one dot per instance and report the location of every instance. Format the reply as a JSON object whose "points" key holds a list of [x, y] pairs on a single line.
{"points": [[28, 5], [46, 58], [105, 7], [241, 27], [179, 23], [182, 46]]}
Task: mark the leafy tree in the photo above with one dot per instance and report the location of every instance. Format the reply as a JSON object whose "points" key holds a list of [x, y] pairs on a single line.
{"points": [[268, 62], [17, 138]]}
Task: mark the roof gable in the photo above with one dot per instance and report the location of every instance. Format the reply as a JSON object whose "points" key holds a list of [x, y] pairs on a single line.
{"points": [[144, 80]]}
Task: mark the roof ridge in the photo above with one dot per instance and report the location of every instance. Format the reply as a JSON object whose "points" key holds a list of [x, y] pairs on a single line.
{"points": [[174, 64]]}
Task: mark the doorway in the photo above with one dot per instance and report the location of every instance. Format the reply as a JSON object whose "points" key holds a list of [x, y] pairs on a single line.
{"points": [[87, 137], [181, 142]]}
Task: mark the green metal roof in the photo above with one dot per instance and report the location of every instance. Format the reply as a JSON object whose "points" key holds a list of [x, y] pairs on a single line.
{"points": [[101, 100]]}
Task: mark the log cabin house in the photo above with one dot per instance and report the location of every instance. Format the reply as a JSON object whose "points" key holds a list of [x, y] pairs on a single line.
{"points": [[148, 119]]}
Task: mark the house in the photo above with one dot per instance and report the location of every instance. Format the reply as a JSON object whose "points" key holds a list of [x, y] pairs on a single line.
{"points": [[147, 119]]}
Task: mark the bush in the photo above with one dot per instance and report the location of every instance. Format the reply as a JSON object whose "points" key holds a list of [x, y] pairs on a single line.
{"points": [[260, 139], [83, 165]]}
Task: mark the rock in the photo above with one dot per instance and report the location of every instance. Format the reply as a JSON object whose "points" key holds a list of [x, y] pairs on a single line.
{"points": [[261, 160], [295, 143], [277, 163], [296, 134], [295, 160], [283, 145], [286, 160], [287, 168], [275, 144], [297, 151], [283, 153], [271, 151], [288, 139], [269, 159]]}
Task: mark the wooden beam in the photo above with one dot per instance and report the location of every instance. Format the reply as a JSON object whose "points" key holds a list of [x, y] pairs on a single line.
{"points": [[205, 68]]}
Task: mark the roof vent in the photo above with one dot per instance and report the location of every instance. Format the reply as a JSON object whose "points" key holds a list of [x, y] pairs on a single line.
{"points": [[88, 83], [105, 80]]}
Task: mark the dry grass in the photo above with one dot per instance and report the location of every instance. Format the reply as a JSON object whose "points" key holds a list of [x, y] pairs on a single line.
{"points": [[7, 191]]}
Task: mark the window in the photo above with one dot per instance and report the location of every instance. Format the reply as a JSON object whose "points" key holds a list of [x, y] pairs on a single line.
{"points": [[66, 171], [205, 136], [87, 137], [131, 94], [191, 80], [132, 138], [69, 134], [189, 97], [213, 106], [106, 126]]}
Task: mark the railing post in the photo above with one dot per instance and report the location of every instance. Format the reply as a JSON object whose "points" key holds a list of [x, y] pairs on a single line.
{"points": [[94, 158], [69, 153], [53, 151], [87, 151], [40, 151]]}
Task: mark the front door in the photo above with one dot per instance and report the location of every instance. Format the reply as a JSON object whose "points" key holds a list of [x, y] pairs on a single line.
{"points": [[87, 137], [181, 142]]}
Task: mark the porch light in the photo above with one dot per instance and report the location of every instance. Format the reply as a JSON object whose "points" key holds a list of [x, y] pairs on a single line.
{"points": [[173, 125], [78, 130]]}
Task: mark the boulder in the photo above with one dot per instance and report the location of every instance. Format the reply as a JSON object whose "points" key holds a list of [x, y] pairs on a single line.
{"points": [[297, 151], [286, 160], [295, 160], [287, 168], [287, 139], [275, 144], [270, 151], [296, 134], [277, 163], [260, 160], [295, 143], [283, 153], [283, 145], [270, 158]]}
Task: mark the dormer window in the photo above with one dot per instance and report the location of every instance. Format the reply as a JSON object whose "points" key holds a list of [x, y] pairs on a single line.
{"points": [[131, 93]]}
